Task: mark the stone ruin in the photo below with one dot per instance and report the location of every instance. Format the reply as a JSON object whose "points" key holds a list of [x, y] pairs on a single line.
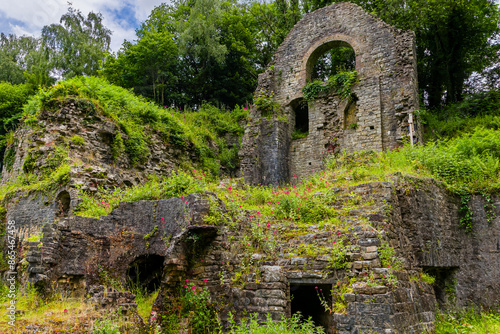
{"points": [[418, 218], [377, 119]]}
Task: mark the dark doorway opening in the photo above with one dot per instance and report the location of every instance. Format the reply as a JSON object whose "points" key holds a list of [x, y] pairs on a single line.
{"points": [[301, 111], [63, 201], [306, 300], [445, 284], [146, 272]]}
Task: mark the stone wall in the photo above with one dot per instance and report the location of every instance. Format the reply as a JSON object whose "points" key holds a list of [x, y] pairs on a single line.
{"points": [[467, 263], [265, 289], [418, 218], [96, 154], [77, 246], [386, 94]]}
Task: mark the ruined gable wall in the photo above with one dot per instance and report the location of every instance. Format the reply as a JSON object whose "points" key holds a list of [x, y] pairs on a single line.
{"points": [[387, 93]]}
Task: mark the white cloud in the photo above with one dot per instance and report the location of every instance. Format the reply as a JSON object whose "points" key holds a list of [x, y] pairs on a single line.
{"points": [[28, 17]]}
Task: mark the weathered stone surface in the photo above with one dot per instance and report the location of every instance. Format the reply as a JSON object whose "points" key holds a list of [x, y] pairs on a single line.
{"points": [[386, 94], [430, 221]]}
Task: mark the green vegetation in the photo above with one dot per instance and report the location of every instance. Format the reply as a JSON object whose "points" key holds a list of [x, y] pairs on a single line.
{"points": [[212, 50], [453, 39], [298, 134], [177, 185], [294, 325], [341, 83], [468, 321], [186, 56], [424, 277], [77, 140], [266, 105], [12, 98], [201, 131], [479, 110], [193, 302]]}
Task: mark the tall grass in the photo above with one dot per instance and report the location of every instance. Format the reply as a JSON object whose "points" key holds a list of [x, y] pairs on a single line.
{"points": [[294, 325], [201, 131], [468, 321], [104, 201]]}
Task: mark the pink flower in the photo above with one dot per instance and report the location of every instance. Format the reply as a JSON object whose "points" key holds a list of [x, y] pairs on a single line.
{"points": [[316, 287], [205, 280], [294, 175], [222, 262], [338, 233], [185, 285], [268, 225], [230, 188], [182, 198], [187, 280], [65, 310]]}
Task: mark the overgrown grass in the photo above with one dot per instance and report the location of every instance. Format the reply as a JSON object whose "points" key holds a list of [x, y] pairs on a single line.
{"points": [[294, 325], [468, 321], [177, 185], [30, 182], [468, 163], [201, 131], [56, 312], [478, 110]]}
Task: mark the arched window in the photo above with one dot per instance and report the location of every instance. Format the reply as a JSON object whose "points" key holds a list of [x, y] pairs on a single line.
{"points": [[301, 113], [329, 59]]}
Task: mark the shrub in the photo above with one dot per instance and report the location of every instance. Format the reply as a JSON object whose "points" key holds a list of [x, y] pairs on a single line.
{"points": [[201, 131], [104, 201], [294, 325], [341, 83], [77, 140]]}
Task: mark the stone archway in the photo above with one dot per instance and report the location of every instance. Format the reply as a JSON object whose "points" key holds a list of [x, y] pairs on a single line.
{"points": [[387, 93]]}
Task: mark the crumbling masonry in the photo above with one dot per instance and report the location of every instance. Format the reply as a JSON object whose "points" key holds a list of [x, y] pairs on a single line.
{"points": [[418, 218], [387, 93]]}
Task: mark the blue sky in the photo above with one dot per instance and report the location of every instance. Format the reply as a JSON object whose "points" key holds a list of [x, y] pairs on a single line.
{"points": [[27, 17]]}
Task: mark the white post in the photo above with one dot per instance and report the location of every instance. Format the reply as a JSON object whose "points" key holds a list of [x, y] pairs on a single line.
{"points": [[410, 123]]}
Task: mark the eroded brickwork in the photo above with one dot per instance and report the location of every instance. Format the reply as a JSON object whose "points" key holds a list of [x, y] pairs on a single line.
{"points": [[387, 93]]}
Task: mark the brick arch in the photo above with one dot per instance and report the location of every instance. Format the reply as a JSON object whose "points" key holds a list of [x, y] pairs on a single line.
{"points": [[321, 46]]}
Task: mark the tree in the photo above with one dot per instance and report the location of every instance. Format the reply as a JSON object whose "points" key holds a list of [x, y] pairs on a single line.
{"points": [[189, 53], [77, 45], [273, 22], [12, 99], [453, 39]]}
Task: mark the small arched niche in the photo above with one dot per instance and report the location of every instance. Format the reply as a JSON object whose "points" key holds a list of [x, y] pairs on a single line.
{"points": [[329, 59], [301, 115], [145, 272], [350, 114], [63, 203]]}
